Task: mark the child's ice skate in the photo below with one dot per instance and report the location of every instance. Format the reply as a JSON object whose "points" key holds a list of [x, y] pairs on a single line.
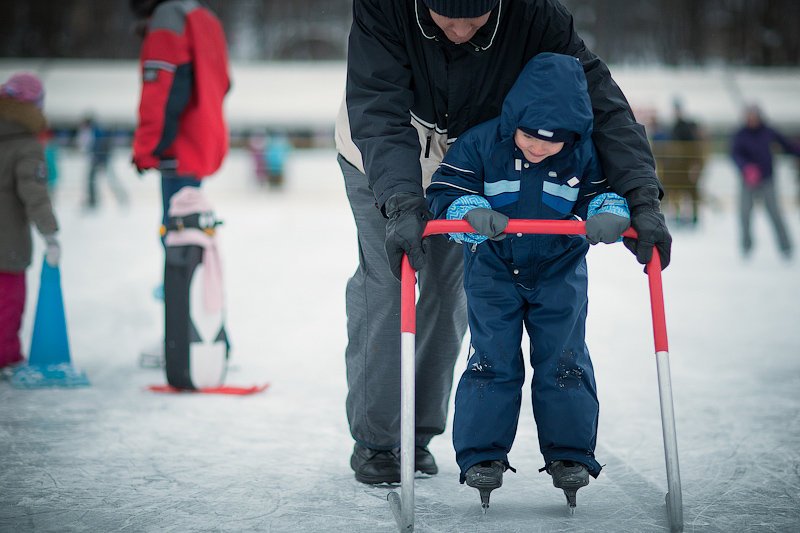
{"points": [[485, 476], [569, 476]]}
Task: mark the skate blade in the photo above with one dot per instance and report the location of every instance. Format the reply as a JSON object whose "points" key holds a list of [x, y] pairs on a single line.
{"points": [[485, 500], [572, 501]]}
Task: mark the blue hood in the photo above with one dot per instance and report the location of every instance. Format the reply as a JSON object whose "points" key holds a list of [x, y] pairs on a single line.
{"points": [[550, 93]]}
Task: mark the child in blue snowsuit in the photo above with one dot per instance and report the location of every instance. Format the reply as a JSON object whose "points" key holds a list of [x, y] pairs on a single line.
{"points": [[535, 161]]}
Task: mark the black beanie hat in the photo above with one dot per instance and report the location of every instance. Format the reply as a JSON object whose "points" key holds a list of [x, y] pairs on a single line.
{"points": [[143, 8], [461, 9]]}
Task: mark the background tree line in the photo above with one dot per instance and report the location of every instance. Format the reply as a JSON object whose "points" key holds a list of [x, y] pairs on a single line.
{"points": [[670, 32]]}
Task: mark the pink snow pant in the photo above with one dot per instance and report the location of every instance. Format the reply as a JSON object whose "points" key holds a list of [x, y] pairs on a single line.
{"points": [[12, 304]]}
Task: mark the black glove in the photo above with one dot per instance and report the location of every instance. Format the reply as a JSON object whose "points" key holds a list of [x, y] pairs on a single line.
{"points": [[605, 227], [647, 220], [408, 213], [139, 170], [487, 222]]}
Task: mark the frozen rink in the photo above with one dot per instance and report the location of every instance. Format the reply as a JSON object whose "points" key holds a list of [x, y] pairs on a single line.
{"points": [[115, 457]]}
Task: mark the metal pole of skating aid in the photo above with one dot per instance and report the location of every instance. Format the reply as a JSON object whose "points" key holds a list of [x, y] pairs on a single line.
{"points": [[674, 495], [403, 505]]}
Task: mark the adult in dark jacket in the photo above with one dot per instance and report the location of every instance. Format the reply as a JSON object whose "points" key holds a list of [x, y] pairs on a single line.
{"points": [[24, 200], [420, 73], [752, 152]]}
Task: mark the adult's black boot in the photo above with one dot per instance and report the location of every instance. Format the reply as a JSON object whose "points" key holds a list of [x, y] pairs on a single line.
{"points": [[375, 467], [424, 461]]}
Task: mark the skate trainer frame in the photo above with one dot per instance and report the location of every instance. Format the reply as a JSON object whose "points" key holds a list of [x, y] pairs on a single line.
{"points": [[402, 504]]}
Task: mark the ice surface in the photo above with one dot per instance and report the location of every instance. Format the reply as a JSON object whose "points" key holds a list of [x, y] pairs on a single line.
{"points": [[114, 457]]}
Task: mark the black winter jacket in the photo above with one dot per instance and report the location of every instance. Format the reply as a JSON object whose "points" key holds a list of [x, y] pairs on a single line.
{"points": [[400, 61]]}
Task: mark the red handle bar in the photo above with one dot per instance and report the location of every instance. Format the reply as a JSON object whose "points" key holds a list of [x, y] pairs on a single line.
{"points": [[542, 227]]}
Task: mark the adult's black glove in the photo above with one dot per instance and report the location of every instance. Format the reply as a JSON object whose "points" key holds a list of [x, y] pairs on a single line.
{"points": [[407, 214], [605, 227], [487, 222], [648, 221]]}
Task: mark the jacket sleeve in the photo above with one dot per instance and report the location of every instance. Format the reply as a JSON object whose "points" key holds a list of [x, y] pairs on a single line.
{"points": [[786, 144], [593, 184], [459, 174], [30, 172], [167, 79], [625, 154], [379, 99]]}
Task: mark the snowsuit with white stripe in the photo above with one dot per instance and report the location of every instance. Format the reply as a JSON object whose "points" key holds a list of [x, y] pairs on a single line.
{"points": [[536, 280]]}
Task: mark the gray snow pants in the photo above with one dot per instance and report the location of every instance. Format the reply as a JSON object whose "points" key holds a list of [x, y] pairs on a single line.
{"points": [[767, 192], [372, 356]]}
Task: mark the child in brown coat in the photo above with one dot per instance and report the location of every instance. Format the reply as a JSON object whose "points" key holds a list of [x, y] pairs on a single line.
{"points": [[23, 200]]}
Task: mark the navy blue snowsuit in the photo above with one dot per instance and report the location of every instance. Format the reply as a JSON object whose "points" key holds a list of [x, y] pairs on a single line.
{"points": [[536, 280]]}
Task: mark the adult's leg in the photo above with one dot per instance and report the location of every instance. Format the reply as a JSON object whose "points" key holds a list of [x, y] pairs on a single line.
{"points": [[170, 184], [490, 389], [745, 215], [774, 211], [91, 185], [119, 191], [372, 355], [12, 305], [441, 324], [372, 301], [563, 388]]}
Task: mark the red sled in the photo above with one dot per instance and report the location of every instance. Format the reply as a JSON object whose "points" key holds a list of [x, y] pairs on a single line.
{"points": [[225, 389]]}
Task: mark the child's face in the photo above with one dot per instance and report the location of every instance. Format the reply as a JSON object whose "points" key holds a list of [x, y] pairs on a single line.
{"points": [[534, 149]]}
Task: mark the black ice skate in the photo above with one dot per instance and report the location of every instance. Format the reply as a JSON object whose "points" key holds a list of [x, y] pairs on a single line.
{"points": [[485, 477], [569, 476]]}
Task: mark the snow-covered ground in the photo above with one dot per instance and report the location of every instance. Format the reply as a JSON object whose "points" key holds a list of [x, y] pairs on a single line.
{"points": [[115, 457], [307, 95]]}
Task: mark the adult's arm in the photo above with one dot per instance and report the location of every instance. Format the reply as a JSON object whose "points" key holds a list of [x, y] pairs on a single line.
{"points": [[786, 144], [379, 99], [167, 78]]}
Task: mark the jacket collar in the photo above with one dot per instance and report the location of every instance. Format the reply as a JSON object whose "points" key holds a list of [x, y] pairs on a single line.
{"points": [[21, 117], [481, 41]]}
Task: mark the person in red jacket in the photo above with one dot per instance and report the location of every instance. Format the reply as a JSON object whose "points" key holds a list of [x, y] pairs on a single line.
{"points": [[184, 65]]}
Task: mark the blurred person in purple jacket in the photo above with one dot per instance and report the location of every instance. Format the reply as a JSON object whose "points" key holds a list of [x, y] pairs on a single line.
{"points": [[752, 152]]}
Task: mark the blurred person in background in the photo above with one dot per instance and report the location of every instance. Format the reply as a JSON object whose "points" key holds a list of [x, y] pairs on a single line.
{"points": [[184, 66], [682, 158], [181, 129], [419, 74], [256, 146], [24, 200], [751, 150], [97, 143], [276, 154], [51, 157]]}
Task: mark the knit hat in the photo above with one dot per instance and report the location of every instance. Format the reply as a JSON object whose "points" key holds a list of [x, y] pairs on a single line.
{"points": [[461, 9], [24, 87], [556, 136], [143, 8]]}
